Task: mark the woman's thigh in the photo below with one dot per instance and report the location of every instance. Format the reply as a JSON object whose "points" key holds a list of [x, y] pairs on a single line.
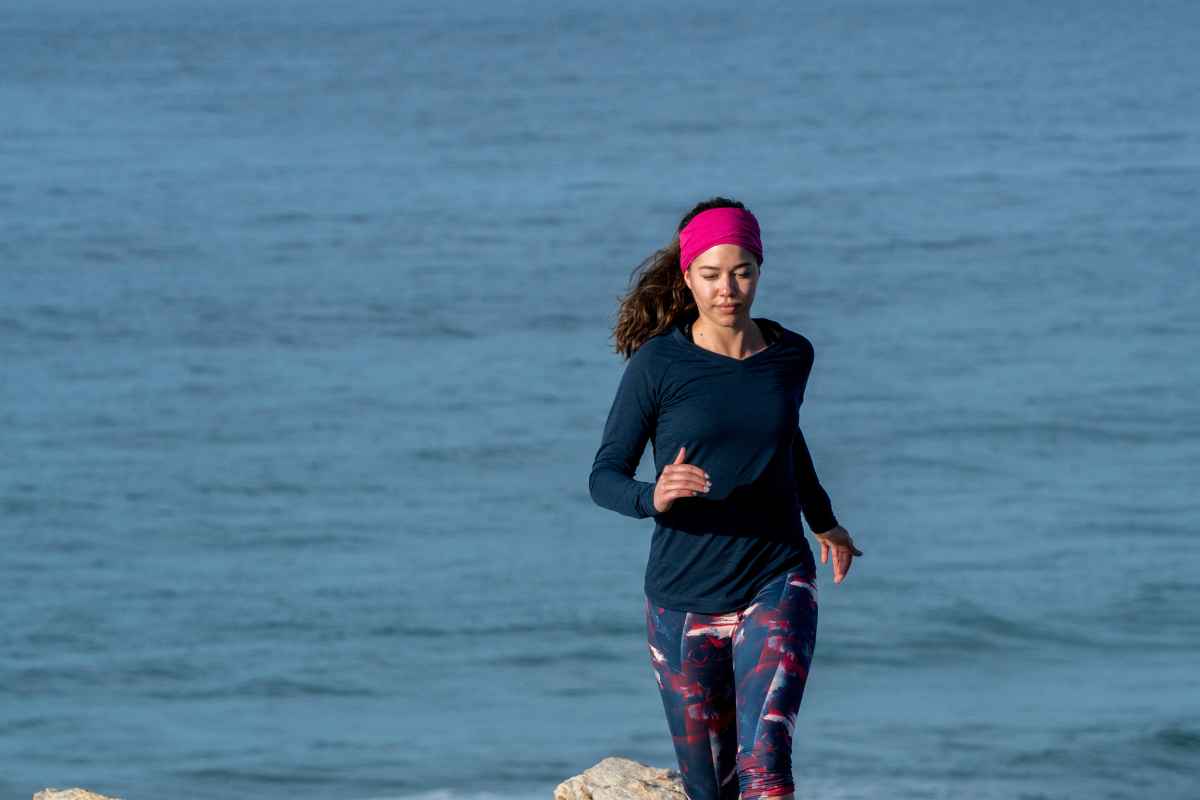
{"points": [[692, 658], [772, 651]]}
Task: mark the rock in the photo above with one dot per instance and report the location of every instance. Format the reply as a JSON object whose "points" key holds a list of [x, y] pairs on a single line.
{"points": [[622, 779], [69, 794]]}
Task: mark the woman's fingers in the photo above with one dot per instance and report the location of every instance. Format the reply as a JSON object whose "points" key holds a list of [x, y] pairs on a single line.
{"points": [[687, 487], [843, 558], [685, 469], [679, 480], [686, 477], [678, 465], [838, 547]]}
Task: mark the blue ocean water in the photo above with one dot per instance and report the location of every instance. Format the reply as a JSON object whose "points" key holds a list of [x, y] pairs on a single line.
{"points": [[304, 358]]}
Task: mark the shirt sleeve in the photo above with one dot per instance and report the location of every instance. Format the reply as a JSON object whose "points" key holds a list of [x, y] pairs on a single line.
{"points": [[814, 500], [631, 419]]}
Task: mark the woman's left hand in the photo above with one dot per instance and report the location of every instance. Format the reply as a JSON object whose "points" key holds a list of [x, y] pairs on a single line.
{"points": [[838, 540]]}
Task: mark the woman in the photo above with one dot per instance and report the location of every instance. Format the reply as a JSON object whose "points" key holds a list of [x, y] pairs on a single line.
{"points": [[731, 591]]}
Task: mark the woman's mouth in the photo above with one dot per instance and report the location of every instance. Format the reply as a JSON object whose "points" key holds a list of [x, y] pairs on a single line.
{"points": [[730, 307]]}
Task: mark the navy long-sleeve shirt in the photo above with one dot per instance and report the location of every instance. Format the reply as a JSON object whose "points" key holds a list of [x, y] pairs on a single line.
{"points": [[739, 420]]}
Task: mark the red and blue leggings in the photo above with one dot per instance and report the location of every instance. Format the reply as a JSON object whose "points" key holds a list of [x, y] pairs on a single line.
{"points": [[731, 686]]}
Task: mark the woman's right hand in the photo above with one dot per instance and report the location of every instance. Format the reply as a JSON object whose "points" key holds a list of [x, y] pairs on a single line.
{"points": [[679, 480]]}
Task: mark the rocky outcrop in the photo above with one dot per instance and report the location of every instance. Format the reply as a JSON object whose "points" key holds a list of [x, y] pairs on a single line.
{"points": [[622, 779], [612, 778]]}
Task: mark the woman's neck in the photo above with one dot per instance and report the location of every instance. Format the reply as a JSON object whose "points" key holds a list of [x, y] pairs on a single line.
{"points": [[755, 331]]}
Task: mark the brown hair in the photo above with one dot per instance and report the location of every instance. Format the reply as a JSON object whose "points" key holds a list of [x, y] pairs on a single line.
{"points": [[659, 298]]}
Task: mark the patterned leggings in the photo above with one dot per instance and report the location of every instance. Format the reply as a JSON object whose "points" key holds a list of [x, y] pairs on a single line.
{"points": [[731, 685]]}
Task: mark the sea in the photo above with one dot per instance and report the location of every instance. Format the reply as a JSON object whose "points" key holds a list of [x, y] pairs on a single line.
{"points": [[306, 316]]}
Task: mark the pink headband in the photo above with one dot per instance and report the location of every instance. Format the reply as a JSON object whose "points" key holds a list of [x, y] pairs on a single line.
{"points": [[719, 226]]}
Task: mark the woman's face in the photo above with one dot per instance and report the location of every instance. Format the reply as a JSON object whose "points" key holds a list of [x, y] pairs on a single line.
{"points": [[723, 279]]}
